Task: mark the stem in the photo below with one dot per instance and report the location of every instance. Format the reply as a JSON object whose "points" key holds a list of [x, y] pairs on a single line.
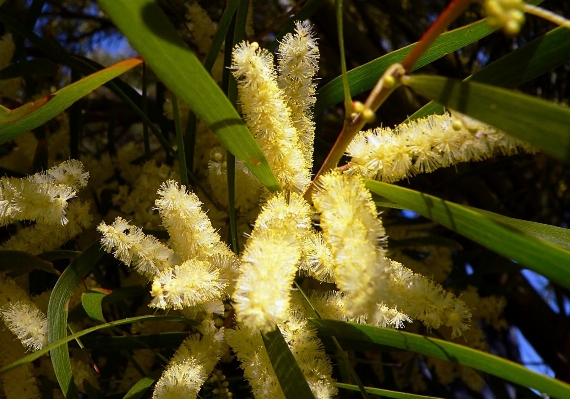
{"points": [[380, 93], [450, 14], [346, 86], [180, 143], [545, 14]]}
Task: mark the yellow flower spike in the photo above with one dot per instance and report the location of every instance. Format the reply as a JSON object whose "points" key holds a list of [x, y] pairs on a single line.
{"points": [[268, 115]]}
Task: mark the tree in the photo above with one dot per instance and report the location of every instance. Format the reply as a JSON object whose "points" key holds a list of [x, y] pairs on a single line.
{"points": [[133, 135]]}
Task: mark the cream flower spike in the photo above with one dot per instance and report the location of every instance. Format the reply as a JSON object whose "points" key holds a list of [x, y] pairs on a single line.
{"points": [[270, 261], [131, 246], [192, 363], [191, 233], [298, 63], [268, 116], [353, 231], [28, 323], [426, 144]]}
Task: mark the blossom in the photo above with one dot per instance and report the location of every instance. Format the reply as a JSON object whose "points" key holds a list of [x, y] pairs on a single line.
{"points": [[190, 366], [353, 231], [28, 323], [297, 63], [270, 261], [191, 232], [131, 246], [189, 284], [268, 117], [426, 144]]}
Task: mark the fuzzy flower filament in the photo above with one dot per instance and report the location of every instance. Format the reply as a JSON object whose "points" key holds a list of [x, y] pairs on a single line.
{"points": [[28, 323], [191, 364], [131, 246], [191, 232], [426, 144], [353, 232], [270, 261], [298, 58], [189, 284], [267, 115]]}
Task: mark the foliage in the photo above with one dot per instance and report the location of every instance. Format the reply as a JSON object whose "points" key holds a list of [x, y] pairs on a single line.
{"points": [[238, 200]]}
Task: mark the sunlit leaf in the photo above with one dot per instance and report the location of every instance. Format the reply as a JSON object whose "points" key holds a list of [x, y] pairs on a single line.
{"points": [[57, 317], [92, 302], [377, 337], [151, 34], [288, 372], [29, 116], [531, 244], [537, 121], [525, 63]]}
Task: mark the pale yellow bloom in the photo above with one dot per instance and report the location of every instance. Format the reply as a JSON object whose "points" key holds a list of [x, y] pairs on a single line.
{"points": [[191, 364], [131, 246], [268, 117], [27, 322], [308, 349], [298, 58], [43, 237], [254, 361], [191, 232], [426, 144], [270, 261], [353, 231], [189, 284]]}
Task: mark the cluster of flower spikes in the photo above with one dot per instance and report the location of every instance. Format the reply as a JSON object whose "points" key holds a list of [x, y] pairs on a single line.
{"points": [[43, 198], [426, 144], [197, 270]]}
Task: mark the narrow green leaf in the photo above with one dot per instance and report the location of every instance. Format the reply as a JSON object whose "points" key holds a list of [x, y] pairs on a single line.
{"points": [[143, 385], [85, 66], [555, 235], [539, 122], [525, 63], [503, 235], [221, 33], [373, 336], [152, 35], [92, 302], [30, 116], [288, 372], [57, 316], [50, 348], [23, 262], [365, 76], [385, 392]]}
